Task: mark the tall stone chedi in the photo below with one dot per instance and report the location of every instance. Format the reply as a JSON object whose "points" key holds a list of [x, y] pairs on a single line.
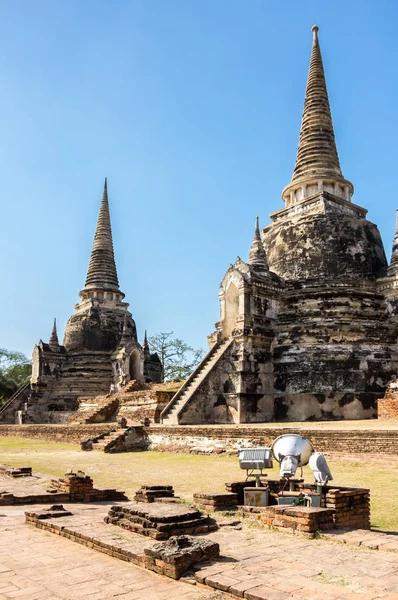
{"points": [[308, 327], [100, 350]]}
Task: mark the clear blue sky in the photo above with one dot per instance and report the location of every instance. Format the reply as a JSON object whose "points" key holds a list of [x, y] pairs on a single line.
{"points": [[192, 110]]}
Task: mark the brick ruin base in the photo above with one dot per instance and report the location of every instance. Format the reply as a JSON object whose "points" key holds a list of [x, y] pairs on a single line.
{"points": [[171, 558], [15, 472], [213, 439], [387, 407], [80, 488], [300, 519], [154, 493], [179, 554], [73, 487], [216, 501], [160, 521], [350, 506]]}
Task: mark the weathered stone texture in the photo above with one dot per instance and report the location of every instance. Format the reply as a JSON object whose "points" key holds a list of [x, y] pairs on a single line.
{"points": [[326, 243], [100, 351], [314, 315]]}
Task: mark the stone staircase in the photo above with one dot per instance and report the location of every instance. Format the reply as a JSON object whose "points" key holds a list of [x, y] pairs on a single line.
{"points": [[110, 440], [13, 404], [170, 415], [95, 409], [135, 401]]}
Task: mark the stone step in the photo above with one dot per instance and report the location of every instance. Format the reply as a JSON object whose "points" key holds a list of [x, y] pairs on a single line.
{"points": [[198, 378]]}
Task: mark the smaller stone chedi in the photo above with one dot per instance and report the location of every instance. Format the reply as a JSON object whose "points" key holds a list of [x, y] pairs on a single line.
{"points": [[100, 350], [308, 326]]}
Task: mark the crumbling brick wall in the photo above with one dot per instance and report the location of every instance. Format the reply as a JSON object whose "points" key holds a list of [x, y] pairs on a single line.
{"points": [[387, 407], [350, 506]]}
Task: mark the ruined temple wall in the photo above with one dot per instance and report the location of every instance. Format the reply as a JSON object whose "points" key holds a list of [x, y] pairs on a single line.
{"points": [[334, 354], [387, 407], [82, 374], [239, 388]]}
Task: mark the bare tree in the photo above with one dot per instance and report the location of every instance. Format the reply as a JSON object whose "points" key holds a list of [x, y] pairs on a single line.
{"points": [[177, 358]]}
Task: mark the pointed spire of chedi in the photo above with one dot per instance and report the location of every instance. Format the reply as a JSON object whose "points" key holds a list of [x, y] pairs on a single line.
{"points": [[102, 274], [126, 336], [53, 341], [317, 160], [257, 256]]}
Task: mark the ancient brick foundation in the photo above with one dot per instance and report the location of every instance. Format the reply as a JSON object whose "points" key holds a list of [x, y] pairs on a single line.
{"points": [[71, 434], [215, 501], [387, 407], [15, 472], [208, 439], [152, 493], [213, 439], [298, 519], [350, 507], [176, 556], [73, 487], [160, 521]]}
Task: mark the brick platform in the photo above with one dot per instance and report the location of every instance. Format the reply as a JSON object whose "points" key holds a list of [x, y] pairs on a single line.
{"points": [[300, 519], [171, 558], [179, 554], [160, 521], [15, 471], [74, 487], [255, 563], [38, 565], [152, 493], [387, 407], [350, 506], [215, 501], [80, 488]]}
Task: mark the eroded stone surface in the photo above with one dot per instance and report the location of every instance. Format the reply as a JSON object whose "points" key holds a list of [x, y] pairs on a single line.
{"points": [[160, 520], [309, 323]]}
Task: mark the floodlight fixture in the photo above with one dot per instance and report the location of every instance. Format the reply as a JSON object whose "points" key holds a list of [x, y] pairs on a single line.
{"points": [[291, 451], [320, 468]]}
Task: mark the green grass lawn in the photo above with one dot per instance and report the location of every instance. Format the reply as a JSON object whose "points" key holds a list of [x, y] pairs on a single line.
{"points": [[193, 473]]}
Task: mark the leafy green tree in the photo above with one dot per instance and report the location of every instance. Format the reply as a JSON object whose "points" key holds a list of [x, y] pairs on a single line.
{"points": [[15, 370], [177, 358]]}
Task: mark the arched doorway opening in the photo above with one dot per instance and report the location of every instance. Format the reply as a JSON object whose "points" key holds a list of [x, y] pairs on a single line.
{"points": [[134, 366], [231, 310]]}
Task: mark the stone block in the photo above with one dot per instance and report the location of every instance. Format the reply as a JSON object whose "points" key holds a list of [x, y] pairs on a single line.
{"points": [[176, 556]]}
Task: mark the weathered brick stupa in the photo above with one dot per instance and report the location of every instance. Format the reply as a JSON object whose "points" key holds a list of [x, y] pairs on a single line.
{"points": [[100, 350], [308, 326]]}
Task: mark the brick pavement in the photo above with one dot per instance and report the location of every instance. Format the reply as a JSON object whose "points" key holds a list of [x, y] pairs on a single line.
{"points": [[35, 565], [273, 566], [261, 565]]}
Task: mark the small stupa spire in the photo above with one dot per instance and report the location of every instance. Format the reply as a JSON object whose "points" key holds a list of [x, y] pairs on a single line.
{"points": [[53, 341], [126, 336], [393, 268], [102, 272], [145, 344], [257, 256]]}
